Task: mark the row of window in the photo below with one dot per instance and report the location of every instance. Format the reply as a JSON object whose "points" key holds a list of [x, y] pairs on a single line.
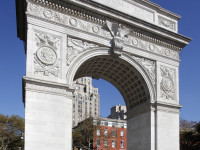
{"points": [[106, 143], [113, 133]]}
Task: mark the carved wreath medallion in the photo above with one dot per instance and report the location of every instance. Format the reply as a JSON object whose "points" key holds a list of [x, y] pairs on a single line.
{"points": [[46, 58], [47, 55], [167, 85]]}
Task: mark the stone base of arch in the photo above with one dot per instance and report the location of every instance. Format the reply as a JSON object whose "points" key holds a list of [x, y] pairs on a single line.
{"points": [[153, 127], [48, 120], [48, 115]]}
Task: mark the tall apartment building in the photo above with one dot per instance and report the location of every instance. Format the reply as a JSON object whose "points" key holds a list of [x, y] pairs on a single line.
{"points": [[118, 112], [86, 100]]}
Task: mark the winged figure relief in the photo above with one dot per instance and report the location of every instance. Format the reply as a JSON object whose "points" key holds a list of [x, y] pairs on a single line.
{"points": [[118, 30], [76, 46]]}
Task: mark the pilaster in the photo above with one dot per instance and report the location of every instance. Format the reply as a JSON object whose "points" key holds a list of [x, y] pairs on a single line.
{"points": [[48, 113]]}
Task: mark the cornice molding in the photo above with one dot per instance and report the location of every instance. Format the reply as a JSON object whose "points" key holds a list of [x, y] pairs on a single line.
{"points": [[42, 86], [155, 107], [177, 43]]}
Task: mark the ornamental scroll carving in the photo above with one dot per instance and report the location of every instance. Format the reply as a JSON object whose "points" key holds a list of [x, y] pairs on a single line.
{"points": [[46, 58], [75, 47], [118, 33], [96, 27], [167, 85], [149, 66]]}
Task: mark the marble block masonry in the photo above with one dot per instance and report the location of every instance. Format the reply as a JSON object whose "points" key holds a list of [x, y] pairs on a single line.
{"points": [[133, 44]]}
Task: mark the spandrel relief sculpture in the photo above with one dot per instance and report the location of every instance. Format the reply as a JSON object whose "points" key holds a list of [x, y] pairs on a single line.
{"points": [[46, 58], [168, 84]]}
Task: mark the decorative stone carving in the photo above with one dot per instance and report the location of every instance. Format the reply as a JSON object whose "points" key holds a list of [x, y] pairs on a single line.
{"points": [[167, 85], [166, 23], [75, 47], [95, 26], [148, 46], [46, 59], [118, 33], [149, 66]]}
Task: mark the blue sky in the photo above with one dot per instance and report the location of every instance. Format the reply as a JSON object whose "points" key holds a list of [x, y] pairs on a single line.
{"points": [[13, 62]]}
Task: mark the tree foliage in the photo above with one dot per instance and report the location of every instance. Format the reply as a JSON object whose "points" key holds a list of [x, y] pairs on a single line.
{"points": [[11, 130], [85, 133], [190, 136]]}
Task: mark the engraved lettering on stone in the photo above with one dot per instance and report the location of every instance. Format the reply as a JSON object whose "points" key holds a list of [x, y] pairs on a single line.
{"points": [[76, 46], [46, 61], [167, 85], [149, 66], [118, 32]]}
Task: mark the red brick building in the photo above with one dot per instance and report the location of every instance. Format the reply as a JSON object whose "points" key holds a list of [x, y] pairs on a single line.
{"points": [[112, 136]]}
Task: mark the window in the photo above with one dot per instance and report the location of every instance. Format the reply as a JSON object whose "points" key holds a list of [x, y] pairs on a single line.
{"points": [[122, 133], [113, 143], [122, 144], [106, 132], [106, 123], [105, 143], [113, 133], [98, 142], [98, 132], [113, 124]]}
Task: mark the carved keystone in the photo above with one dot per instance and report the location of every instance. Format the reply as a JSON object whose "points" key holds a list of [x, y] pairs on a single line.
{"points": [[118, 33]]}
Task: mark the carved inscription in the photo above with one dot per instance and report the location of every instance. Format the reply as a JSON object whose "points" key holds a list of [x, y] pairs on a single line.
{"points": [[46, 60], [75, 47], [167, 85]]}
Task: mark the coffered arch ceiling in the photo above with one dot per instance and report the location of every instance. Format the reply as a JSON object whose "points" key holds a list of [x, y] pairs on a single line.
{"points": [[125, 77]]}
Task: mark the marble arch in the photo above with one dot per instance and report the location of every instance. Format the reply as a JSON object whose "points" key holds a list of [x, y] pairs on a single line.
{"points": [[134, 44], [98, 63]]}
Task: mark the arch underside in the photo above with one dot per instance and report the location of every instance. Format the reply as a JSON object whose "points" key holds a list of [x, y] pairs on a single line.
{"points": [[121, 74]]}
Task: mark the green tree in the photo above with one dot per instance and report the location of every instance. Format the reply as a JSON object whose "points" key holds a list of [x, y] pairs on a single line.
{"points": [[85, 133], [11, 130], [190, 136]]}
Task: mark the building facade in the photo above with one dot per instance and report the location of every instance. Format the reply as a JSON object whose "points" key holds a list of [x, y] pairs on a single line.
{"points": [[86, 100], [116, 133], [118, 112]]}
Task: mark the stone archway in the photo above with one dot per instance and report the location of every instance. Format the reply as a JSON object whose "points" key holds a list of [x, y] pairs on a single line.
{"points": [[132, 44], [139, 97]]}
